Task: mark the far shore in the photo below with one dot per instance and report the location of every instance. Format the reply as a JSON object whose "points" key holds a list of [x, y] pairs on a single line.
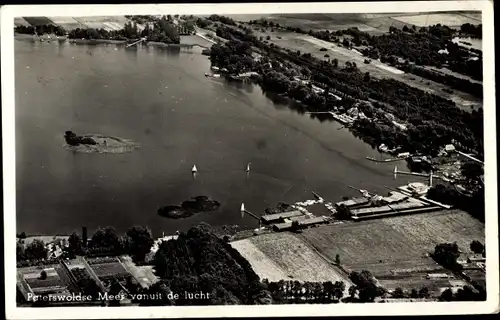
{"points": [[21, 36]]}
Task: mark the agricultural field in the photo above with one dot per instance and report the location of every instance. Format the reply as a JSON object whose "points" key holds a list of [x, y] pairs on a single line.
{"points": [[449, 19], [396, 250], [261, 264], [429, 229], [278, 256], [375, 23]]}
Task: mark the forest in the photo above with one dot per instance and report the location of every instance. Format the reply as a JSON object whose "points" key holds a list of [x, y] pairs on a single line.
{"points": [[198, 260], [416, 48], [162, 30], [432, 120], [43, 29]]}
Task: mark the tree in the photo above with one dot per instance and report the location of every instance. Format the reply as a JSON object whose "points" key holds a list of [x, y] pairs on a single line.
{"points": [[268, 38], [75, 243], [335, 62], [139, 242], [36, 250], [447, 255], [295, 226], [424, 293], [352, 291], [337, 259], [476, 247], [106, 238], [366, 77], [472, 171], [398, 293], [20, 252], [329, 289], [43, 275], [339, 287], [414, 293]]}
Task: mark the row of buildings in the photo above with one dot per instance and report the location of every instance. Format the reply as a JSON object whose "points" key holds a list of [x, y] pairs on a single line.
{"points": [[62, 280]]}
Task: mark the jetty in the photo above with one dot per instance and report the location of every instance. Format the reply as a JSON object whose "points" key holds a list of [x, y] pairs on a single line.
{"points": [[342, 118], [384, 160], [136, 42]]}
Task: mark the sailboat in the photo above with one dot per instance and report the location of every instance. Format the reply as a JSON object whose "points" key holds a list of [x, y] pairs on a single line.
{"points": [[194, 170], [248, 167], [242, 209]]}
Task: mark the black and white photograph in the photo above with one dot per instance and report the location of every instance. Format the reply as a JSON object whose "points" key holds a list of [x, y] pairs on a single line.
{"points": [[273, 157]]}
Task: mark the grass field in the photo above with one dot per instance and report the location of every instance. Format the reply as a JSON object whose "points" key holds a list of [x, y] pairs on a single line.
{"points": [[285, 256], [396, 250]]}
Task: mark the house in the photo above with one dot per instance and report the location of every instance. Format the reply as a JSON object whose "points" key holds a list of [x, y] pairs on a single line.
{"points": [[269, 218], [476, 258], [437, 276], [352, 203], [449, 148], [399, 126]]}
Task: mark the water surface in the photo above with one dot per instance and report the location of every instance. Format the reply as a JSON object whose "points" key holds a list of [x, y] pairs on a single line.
{"points": [[161, 99]]}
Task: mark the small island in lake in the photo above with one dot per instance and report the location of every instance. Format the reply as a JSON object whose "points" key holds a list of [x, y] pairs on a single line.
{"points": [[98, 143], [189, 208]]}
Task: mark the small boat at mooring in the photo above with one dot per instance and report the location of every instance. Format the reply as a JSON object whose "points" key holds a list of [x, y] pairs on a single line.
{"points": [[194, 170], [248, 168]]}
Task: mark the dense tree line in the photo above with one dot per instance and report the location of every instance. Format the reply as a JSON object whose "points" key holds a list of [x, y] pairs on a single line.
{"points": [[473, 203], [137, 242], [223, 19], [421, 48], [467, 293], [423, 293], [293, 291], [40, 30], [475, 31], [200, 261], [464, 85], [161, 30], [34, 251], [418, 47], [432, 120]]}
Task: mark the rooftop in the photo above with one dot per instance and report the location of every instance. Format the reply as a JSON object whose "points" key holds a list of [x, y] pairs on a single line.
{"points": [[282, 215]]}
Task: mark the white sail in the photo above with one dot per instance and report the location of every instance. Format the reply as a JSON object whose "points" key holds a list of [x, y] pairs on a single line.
{"points": [[242, 207], [194, 169], [248, 168]]}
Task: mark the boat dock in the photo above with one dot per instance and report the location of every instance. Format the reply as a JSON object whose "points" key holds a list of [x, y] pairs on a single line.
{"points": [[342, 118]]}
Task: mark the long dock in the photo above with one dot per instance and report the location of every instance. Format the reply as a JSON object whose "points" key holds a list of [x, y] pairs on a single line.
{"points": [[133, 44], [252, 214]]}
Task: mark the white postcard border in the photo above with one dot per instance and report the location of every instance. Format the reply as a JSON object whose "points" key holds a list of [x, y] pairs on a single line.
{"points": [[426, 308]]}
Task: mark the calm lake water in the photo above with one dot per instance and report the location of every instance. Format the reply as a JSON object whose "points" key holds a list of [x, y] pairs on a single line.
{"points": [[161, 99]]}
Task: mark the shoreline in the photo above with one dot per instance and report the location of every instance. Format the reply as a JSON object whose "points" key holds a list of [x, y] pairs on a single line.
{"points": [[22, 36]]}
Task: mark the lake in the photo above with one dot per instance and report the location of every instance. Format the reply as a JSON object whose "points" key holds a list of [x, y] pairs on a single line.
{"points": [[160, 98]]}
